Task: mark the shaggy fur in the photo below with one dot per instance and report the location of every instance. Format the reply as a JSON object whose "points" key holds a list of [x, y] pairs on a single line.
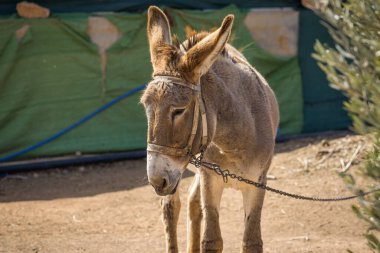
{"points": [[242, 118]]}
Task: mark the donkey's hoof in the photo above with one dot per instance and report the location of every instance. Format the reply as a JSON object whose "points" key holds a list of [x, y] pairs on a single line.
{"points": [[193, 250], [215, 246], [252, 248]]}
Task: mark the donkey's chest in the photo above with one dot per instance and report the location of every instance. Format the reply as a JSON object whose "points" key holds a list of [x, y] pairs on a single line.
{"points": [[236, 162]]}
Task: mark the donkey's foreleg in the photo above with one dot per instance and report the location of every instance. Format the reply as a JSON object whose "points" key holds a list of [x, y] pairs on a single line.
{"points": [[253, 201], [170, 211], [194, 217], [211, 191]]}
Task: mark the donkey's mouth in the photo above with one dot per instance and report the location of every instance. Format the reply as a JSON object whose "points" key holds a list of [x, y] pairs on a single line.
{"points": [[167, 190]]}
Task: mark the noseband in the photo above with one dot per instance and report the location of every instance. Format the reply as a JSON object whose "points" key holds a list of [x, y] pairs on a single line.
{"points": [[199, 108]]}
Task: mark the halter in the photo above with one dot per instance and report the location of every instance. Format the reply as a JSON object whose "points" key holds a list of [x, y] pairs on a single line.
{"points": [[199, 107]]}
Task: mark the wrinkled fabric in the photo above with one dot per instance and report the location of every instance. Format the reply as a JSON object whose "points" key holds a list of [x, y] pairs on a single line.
{"points": [[51, 77]]}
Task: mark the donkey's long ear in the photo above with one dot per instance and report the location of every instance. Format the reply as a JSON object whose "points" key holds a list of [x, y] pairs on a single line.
{"points": [[158, 31], [199, 58]]}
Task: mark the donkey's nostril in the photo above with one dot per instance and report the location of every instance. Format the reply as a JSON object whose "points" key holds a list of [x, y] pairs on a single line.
{"points": [[159, 183], [164, 183]]}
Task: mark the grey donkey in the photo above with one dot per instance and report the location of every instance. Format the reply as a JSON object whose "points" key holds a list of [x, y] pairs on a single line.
{"points": [[205, 96]]}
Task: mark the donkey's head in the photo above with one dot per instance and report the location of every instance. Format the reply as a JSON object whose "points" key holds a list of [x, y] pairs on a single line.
{"points": [[171, 108]]}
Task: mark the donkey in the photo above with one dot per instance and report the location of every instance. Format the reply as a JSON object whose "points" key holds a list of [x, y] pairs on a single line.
{"points": [[206, 97]]}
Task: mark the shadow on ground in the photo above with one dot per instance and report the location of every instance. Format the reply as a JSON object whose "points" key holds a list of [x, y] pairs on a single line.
{"points": [[90, 180], [74, 182]]}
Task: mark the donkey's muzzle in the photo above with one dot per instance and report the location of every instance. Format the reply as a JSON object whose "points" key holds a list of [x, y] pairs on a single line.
{"points": [[163, 173], [163, 184], [159, 185]]}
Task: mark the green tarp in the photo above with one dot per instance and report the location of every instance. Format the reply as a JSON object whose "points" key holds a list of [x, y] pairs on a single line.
{"points": [[9, 6], [322, 105], [52, 77]]}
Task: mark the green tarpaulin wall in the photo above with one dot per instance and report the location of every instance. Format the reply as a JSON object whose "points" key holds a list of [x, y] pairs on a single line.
{"points": [[9, 6], [51, 77], [322, 105]]}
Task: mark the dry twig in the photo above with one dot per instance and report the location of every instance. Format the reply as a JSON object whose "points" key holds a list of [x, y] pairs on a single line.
{"points": [[354, 155]]}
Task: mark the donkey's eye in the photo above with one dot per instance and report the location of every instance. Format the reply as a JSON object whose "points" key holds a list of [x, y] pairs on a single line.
{"points": [[177, 112]]}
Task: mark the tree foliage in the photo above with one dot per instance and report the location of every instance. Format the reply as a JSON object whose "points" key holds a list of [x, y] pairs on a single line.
{"points": [[353, 67]]}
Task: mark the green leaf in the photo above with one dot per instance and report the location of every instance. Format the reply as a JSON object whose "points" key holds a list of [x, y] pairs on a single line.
{"points": [[352, 66]]}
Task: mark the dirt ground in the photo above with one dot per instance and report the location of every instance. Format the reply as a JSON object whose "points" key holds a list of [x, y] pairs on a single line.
{"points": [[111, 208]]}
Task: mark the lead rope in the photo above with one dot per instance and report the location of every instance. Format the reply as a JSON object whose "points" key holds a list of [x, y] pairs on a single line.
{"points": [[197, 161]]}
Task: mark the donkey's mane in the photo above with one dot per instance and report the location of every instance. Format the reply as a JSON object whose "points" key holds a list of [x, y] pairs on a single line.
{"points": [[173, 52], [191, 40]]}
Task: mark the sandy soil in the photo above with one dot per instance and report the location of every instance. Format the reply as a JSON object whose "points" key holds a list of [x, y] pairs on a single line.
{"points": [[110, 207]]}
